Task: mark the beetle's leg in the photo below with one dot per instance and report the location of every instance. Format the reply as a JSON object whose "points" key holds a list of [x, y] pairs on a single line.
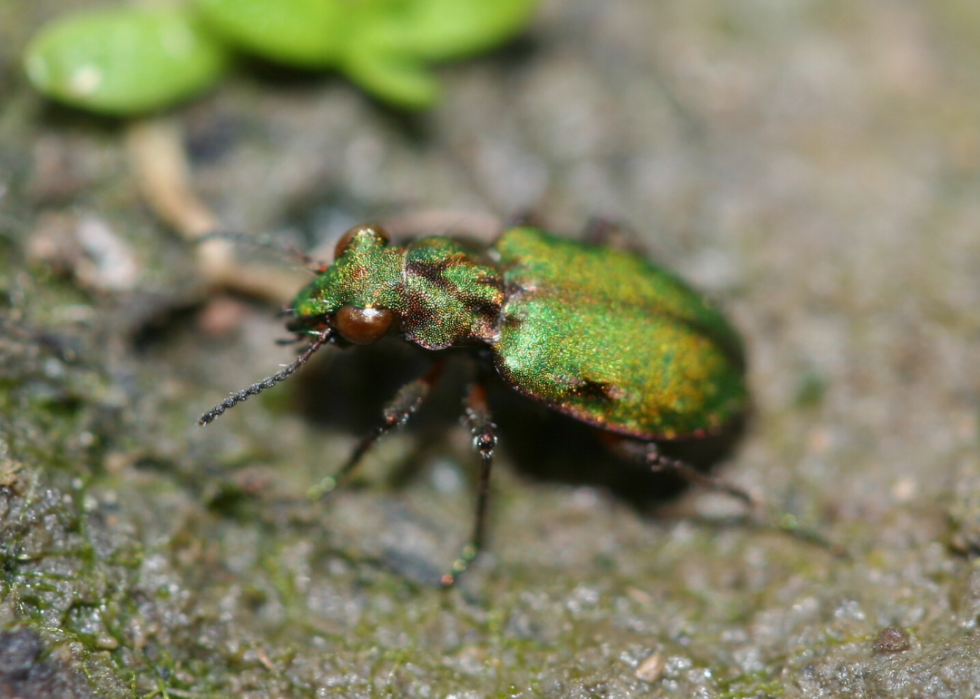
{"points": [[484, 440], [522, 219], [603, 231], [648, 454], [658, 461], [395, 414]]}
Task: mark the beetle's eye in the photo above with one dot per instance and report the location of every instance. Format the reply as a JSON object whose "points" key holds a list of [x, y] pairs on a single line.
{"points": [[345, 239], [362, 326]]}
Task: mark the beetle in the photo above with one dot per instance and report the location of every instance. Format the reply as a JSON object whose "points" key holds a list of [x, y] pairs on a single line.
{"points": [[589, 328]]}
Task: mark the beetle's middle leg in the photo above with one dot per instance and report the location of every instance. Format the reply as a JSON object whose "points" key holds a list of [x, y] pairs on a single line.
{"points": [[395, 414], [649, 455], [484, 440]]}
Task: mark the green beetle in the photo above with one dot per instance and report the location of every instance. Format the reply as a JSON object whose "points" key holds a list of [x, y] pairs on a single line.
{"points": [[588, 329]]}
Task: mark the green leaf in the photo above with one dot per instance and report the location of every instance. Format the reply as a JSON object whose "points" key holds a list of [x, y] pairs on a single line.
{"points": [[392, 77], [446, 29], [391, 40], [298, 33], [436, 30], [124, 61]]}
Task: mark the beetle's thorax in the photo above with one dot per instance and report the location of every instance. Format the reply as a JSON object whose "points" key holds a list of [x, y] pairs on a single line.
{"points": [[441, 294]]}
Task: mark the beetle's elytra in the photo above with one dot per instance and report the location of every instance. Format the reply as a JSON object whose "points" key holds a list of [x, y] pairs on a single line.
{"points": [[590, 330]]}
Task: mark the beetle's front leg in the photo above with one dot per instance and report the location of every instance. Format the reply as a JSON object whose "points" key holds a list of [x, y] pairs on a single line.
{"points": [[484, 440], [648, 454], [395, 414]]}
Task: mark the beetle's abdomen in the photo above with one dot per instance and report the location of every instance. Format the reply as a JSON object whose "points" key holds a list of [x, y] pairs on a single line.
{"points": [[608, 338]]}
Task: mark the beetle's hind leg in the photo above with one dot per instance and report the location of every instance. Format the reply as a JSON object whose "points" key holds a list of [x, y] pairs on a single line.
{"points": [[658, 461], [648, 454], [604, 231], [484, 440], [396, 413]]}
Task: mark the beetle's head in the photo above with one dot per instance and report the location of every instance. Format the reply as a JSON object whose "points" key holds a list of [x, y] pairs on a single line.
{"points": [[355, 298], [352, 301]]}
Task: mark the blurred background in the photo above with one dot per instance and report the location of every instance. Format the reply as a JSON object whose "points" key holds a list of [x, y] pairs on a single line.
{"points": [[812, 166]]}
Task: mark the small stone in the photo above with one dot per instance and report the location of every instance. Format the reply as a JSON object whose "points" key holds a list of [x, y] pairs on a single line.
{"points": [[892, 640], [652, 668]]}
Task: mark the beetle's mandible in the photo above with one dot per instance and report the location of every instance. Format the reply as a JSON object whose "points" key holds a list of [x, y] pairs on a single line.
{"points": [[588, 329]]}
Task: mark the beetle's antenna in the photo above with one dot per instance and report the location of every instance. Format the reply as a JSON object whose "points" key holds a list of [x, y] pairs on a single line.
{"points": [[266, 242], [257, 388]]}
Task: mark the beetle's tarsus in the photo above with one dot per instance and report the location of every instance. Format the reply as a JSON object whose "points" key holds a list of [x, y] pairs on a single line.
{"points": [[788, 523], [484, 433]]}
